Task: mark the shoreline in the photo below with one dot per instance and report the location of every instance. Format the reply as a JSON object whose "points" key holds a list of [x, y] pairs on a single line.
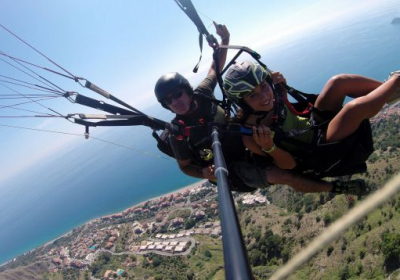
{"points": [[187, 187]]}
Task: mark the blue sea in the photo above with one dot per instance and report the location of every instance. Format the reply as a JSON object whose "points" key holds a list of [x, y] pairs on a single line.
{"points": [[93, 178]]}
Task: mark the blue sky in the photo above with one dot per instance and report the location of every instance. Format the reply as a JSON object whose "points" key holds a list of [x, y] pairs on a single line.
{"points": [[124, 47]]}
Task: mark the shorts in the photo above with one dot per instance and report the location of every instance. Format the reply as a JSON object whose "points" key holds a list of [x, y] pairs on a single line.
{"points": [[250, 174]]}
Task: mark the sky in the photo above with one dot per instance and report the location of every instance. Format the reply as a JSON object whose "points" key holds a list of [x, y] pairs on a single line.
{"points": [[124, 47]]}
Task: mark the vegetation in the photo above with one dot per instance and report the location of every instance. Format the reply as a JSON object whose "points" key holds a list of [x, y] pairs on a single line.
{"points": [[276, 232]]}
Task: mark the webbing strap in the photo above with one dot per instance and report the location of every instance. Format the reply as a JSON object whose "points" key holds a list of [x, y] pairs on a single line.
{"points": [[201, 53], [188, 8]]}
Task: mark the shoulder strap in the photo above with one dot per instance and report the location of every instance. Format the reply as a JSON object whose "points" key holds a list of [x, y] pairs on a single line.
{"points": [[163, 142]]}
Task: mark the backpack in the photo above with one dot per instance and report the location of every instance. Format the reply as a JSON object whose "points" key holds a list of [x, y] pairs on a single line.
{"points": [[163, 142]]}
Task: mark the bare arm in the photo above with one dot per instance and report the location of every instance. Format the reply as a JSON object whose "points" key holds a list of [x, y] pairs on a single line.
{"points": [[195, 171], [223, 33], [279, 81]]}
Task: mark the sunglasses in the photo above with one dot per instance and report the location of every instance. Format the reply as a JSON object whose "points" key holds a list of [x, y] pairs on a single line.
{"points": [[175, 95]]}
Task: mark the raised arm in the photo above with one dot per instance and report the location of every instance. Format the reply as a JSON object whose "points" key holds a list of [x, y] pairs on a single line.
{"points": [[223, 33]]}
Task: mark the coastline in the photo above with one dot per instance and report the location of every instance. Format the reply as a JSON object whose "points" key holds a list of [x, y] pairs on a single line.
{"points": [[188, 187]]}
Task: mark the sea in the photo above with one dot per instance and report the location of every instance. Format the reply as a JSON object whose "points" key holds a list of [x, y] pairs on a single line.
{"points": [[96, 178]]}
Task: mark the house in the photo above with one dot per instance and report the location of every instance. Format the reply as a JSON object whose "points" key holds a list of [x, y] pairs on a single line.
{"points": [[108, 245], [179, 249], [112, 239], [56, 261], [168, 248], [199, 215], [142, 248], [160, 247], [109, 274], [77, 264], [183, 243], [159, 217], [208, 224], [177, 221], [154, 208], [216, 233]]}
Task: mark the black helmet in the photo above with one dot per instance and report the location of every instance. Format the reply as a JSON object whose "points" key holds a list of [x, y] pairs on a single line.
{"points": [[170, 82]]}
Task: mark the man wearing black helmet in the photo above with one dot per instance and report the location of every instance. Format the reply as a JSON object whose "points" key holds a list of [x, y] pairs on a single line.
{"points": [[193, 107]]}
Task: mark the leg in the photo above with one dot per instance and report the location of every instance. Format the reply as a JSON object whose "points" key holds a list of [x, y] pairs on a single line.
{"points": [[298, 182], [340, 86], [304, 184], [257, 177], [354, 112]]}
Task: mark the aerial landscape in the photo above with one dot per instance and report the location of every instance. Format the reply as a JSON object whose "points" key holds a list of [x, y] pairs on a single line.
{"points": [[178, 236], [91, 195]]}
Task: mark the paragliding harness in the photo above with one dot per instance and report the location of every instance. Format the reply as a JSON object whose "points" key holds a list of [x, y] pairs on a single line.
{"points": [[206, 115], [198, 139], [318, 159]]}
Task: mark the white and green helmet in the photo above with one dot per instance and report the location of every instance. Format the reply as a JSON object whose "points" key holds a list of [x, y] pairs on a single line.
{"points": [[243, 78]]}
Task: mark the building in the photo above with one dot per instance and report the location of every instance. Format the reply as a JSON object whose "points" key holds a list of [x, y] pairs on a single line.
{"points": [[179, 249]]}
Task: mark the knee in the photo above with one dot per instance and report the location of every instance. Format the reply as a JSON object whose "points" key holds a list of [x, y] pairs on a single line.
{"points": [[396, 79], [338, 80], [276, 175]]}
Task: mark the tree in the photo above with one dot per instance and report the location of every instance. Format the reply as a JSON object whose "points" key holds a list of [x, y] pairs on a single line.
{"points": [[391, 250], [189, 224], [207, 254], [257, 258], [190, 275], [344, 273]]}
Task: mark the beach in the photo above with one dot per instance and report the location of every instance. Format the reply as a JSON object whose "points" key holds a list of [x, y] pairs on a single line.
{"points": [[181, 190]]}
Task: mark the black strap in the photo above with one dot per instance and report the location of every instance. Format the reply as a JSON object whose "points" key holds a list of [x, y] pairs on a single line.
{"points": [[201, 53], [97, 104], [188, 8]]}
